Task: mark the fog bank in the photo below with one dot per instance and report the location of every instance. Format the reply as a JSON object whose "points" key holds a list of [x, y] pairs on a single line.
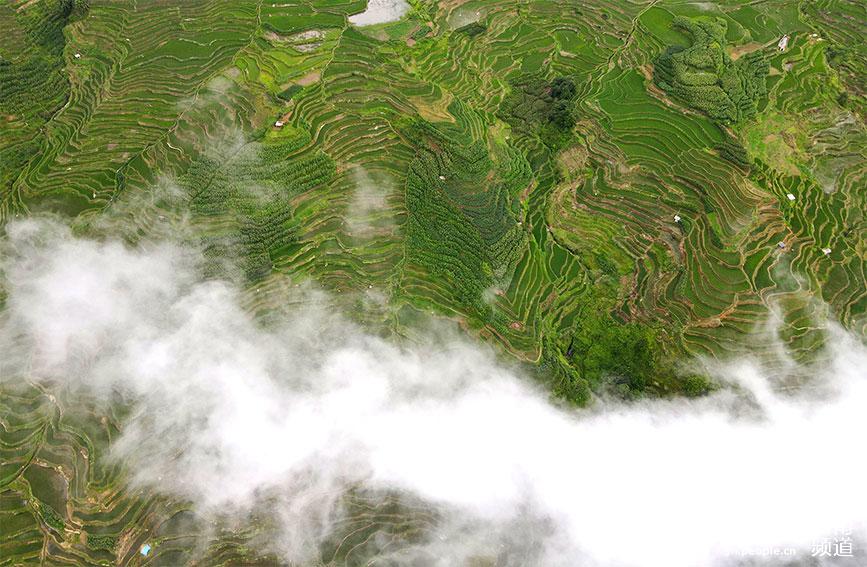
{"points": [[228, 411], [380, 12]]}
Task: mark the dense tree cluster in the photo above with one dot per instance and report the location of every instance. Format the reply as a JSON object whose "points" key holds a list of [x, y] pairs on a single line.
{"points": [[251, 189], [463, 223], [33, 80], [625, 354], [851, 69], [704, 77], [541, 106], [600, 354], [734, 152]]}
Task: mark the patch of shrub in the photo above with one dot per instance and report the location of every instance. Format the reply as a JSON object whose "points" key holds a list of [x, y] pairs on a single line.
{"points": [[289, 92], [101, 542], [51, 517], [472, 29]]}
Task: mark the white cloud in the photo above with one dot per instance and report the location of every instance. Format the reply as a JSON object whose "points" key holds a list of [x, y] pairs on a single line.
{"points": [[367, 213], [228, 412], [380, 12]]}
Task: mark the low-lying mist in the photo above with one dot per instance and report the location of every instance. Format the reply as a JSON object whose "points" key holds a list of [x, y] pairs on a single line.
{"points": [[229, 411], [380, 12]]}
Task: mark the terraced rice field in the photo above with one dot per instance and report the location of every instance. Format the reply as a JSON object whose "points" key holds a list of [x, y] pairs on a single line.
{"points": [[410, 169]]}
